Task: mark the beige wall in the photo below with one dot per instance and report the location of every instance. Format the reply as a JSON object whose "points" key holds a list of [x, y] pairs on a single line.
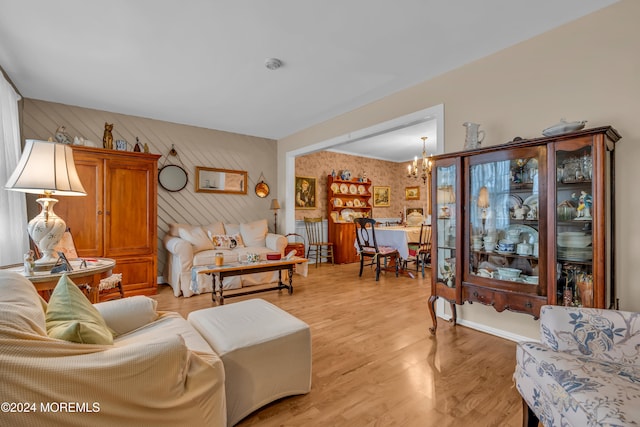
{"points": [[196, 147], [586, 70], [383, 173]]}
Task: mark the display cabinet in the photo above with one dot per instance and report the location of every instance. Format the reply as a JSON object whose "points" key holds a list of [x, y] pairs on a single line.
{"points": [[536, 227], [346, 200]]}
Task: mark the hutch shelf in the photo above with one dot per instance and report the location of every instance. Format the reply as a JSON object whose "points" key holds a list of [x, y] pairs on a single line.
{"points": [[346, 200], [524, 224]]}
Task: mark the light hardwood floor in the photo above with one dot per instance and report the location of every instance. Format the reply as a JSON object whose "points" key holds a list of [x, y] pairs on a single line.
{"points": [[375, 362]]}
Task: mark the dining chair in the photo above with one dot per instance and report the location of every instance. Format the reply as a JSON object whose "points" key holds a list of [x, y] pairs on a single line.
{"points": [[368, 246], [317, 245], [420, 251]]}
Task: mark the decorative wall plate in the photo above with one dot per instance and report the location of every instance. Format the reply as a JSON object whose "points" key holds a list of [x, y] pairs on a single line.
{"points": [[262, 189]]}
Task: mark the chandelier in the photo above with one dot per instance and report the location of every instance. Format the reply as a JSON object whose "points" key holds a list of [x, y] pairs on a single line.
{"points": [[425, 169]]}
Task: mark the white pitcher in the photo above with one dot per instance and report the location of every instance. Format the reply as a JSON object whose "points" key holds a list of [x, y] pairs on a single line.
{"points": [[473, 137]]}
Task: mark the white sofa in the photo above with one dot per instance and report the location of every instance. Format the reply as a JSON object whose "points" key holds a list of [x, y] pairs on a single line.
{"points": [[191, 246], [159, 370]]}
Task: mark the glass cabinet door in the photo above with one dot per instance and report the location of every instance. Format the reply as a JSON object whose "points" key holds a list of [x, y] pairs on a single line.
{"points": [[504, 212], [574, 226], [445, 212]]}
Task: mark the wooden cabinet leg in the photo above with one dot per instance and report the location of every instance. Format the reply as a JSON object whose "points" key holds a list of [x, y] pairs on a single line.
{"points": [[454, 315], [432, 311]]}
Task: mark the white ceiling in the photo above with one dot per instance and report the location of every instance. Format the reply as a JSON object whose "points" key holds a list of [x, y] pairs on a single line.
{"points": [[201, 62]]}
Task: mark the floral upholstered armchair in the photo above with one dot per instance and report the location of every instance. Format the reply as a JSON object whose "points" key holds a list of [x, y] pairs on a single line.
{"points": [[584, 372]]}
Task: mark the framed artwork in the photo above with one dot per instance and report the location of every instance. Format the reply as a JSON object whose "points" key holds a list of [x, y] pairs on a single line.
{"points": [[412, 193], [211, 180], [381, 197], [306, 197], [412, 210]]}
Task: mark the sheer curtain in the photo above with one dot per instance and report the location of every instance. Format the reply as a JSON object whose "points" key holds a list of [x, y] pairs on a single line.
{"points": [[14, 240]]}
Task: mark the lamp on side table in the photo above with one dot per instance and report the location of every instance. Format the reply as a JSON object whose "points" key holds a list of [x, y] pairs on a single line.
{"points": [[46, 168]]}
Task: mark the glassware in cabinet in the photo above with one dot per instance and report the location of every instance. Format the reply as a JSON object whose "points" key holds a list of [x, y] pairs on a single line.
{"points": [[503, 212], [575, 210]]}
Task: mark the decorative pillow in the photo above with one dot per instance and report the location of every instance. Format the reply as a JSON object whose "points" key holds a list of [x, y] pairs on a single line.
{"points": [[215, 228], [255, 233], [21, 308], [196, 237], [71, 317], [231, 229], [224, 241]]}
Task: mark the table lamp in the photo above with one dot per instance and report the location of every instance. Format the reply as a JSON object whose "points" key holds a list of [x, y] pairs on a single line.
{"points": [[46, 168], [275, 205], [445, 195], [483, 204]]}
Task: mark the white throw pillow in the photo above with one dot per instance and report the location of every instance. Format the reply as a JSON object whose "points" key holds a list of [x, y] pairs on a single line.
{"points": [[231, 229], [254, 233], [197, 238], [214, 228]]}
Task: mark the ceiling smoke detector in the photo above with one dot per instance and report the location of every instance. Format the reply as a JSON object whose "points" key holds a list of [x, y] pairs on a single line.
{"points": [[272, 63]]}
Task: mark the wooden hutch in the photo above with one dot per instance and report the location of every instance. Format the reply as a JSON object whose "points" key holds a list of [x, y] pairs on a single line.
{"points": [[346, 200]]}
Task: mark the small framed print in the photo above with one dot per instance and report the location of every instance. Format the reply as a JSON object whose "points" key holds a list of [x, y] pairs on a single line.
{"points": [[305, 192], [381, 197], [412, 193]]}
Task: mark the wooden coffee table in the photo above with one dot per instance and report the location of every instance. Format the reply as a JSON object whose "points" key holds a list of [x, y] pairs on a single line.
{"points": [[241, 268]]}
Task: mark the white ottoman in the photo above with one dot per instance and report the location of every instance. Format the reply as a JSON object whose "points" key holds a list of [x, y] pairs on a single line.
{"points": [[266, 353]]}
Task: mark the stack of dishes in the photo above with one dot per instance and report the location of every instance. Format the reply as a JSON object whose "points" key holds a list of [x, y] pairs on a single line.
{"points": [[575, 246], [574, 239]]}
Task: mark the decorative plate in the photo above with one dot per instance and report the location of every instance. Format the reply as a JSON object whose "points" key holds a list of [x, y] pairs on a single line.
{"points": [[356, 203], [353, 189], [531, 201], [337, 202], [526, 232], [344, 188], [513, 202], [335, 187], [361, 189], [347, 214]]}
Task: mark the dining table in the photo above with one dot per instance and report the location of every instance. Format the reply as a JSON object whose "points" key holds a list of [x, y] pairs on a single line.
{"points": [[396, 236]]}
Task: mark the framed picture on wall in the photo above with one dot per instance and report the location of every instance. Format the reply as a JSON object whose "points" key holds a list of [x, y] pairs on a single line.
{"points": [[412, 193], [306, 197], [381, 196]]}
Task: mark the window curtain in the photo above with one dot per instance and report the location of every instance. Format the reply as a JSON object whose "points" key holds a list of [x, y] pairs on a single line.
{"points": [[13, 208]]}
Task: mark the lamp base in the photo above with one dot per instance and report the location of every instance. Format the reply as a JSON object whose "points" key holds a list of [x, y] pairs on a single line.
{"points": [[46, 230]]}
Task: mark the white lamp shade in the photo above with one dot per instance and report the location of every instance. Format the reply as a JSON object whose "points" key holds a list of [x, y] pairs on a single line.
{"points": [[275, 205], [46, 167]]}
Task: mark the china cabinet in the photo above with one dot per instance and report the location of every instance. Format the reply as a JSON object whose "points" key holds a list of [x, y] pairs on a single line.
{"points": [[520, 225], [346, 200], [117, 219]]}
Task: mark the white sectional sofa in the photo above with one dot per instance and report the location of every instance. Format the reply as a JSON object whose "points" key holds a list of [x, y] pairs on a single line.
{"points": [[191, 246]]}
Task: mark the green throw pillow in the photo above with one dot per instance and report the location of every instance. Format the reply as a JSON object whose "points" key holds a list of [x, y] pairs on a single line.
{"points": [[71, 317]]}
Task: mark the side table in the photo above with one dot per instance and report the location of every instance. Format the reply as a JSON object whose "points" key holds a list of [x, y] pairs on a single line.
{"points": [[87, 278]]}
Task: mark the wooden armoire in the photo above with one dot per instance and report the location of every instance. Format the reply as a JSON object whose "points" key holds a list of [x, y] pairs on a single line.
{"points": [[117, 219]]}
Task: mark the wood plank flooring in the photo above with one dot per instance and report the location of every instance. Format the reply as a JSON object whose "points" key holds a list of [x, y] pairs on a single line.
{"points": [[375, 362]]}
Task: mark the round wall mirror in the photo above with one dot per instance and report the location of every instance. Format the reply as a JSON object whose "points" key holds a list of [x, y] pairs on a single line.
{"points": [[262, 189], [172, 178]]}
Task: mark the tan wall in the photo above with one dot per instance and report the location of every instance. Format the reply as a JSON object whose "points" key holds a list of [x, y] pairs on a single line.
{"points": [[195, 146], [585, 70], [381, 173]]}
